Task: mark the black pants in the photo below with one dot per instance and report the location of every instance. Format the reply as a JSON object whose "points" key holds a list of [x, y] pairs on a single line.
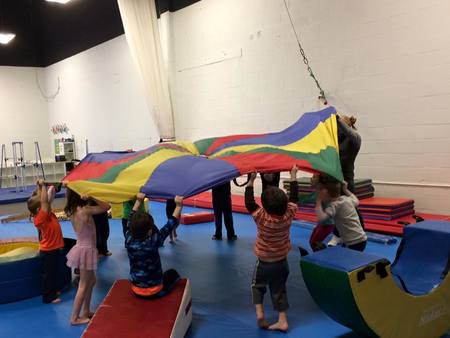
{"points": [[170, 207], [124, 226], [49, 266], [273, 274], [358, 246], [170, 279], [221, 199], [102, 231]]}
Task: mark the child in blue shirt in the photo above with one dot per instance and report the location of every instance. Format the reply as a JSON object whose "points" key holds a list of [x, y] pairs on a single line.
{"points": [[142, 240]]}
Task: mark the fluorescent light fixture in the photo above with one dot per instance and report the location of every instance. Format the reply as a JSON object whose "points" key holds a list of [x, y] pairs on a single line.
{"points": [[5, 38], [59, 1]]}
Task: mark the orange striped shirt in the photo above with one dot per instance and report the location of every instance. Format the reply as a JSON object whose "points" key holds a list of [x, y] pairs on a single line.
{"points": [[273, 240]]}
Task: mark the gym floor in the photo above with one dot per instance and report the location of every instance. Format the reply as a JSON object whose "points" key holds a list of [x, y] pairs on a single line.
{"points": [[220, 273]]}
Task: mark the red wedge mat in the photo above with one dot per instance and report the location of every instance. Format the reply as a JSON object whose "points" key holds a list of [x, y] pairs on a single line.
{"points": [[197, 217], [204, 200], [122, 314]]}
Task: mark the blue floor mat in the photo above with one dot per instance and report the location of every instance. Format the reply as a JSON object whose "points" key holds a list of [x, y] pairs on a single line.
{"points": [[220, 274]]}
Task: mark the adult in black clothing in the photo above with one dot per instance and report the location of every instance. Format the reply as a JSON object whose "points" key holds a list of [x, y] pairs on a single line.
{"points": [[271, 179], [102, 231], [221, 198], [349, 145]]}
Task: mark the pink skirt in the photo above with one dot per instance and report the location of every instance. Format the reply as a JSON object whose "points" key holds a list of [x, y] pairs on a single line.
{"points": [[82, 257]]}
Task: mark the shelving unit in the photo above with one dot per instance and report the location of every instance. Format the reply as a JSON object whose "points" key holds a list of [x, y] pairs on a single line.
{"points": [[64, 150], [54, 172]]}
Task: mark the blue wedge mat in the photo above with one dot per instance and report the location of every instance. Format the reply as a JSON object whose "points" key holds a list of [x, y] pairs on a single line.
{"points": [[423, 256]]}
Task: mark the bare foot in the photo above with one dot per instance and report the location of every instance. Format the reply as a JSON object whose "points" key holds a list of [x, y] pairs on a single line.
{"points": [[262, 323], [279, 326], [79, 321], [89, 315], [56, 301]]}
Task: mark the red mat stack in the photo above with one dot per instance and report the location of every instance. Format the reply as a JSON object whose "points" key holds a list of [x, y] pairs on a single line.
{"points": [[384, 215], [376, 208]]}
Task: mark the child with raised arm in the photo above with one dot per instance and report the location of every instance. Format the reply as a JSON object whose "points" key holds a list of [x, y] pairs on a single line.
{"points": [[142, 240], [324, 227], [342, 209], [84, 254], [50, 239], [272, 245]]}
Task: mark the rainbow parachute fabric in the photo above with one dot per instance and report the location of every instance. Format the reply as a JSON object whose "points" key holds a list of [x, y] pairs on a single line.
{"points": [[181, 168]]}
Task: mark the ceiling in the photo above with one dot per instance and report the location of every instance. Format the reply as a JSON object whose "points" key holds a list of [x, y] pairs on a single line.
{"points": [[49, 32]]}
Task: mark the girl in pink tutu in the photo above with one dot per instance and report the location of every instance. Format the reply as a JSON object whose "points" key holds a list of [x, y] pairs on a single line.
{"points": [[84, 254]]}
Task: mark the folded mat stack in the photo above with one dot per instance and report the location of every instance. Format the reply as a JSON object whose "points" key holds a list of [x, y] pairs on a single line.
{"points": [[363, 187], [377, 208], [385, 210]]}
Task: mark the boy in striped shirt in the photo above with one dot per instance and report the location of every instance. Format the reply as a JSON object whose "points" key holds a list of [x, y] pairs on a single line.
{"points": [[272, 245]]}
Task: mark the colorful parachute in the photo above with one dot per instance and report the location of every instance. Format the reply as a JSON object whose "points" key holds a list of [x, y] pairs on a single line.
{"points": [[182, 168]]}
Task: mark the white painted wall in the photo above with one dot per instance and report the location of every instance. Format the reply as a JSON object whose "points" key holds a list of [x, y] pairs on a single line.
{"points": [[23, 112], [235, 68], [101, 99]]}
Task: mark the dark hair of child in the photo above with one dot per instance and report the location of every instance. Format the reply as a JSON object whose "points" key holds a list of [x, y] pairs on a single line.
{"points": [[274, 201], [33, 204], [140, 225], [73, 201], [333, 188]]}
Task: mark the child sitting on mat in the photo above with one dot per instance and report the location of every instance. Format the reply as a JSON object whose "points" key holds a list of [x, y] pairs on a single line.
{"points": [[50, 239], [272, 245], [142, 240], [342, 209]]}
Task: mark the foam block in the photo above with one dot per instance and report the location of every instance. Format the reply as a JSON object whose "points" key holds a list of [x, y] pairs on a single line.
{"points": [[122, 314], [197, 217], [22, 278]]}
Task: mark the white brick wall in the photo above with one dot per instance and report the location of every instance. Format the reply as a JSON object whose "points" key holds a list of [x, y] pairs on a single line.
{"points": [[101, 99], [387, 62], [23, 112]]}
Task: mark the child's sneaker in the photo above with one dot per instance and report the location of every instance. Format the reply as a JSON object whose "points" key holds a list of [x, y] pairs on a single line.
{"points": [[335, 241]]}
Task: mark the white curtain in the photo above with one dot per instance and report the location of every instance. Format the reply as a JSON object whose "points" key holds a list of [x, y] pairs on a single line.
{"points": [[142, 34]]}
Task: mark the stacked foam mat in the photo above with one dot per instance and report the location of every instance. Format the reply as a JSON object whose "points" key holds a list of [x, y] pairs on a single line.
{"points": [[363, 187], [376, 208], [383, 215]]}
